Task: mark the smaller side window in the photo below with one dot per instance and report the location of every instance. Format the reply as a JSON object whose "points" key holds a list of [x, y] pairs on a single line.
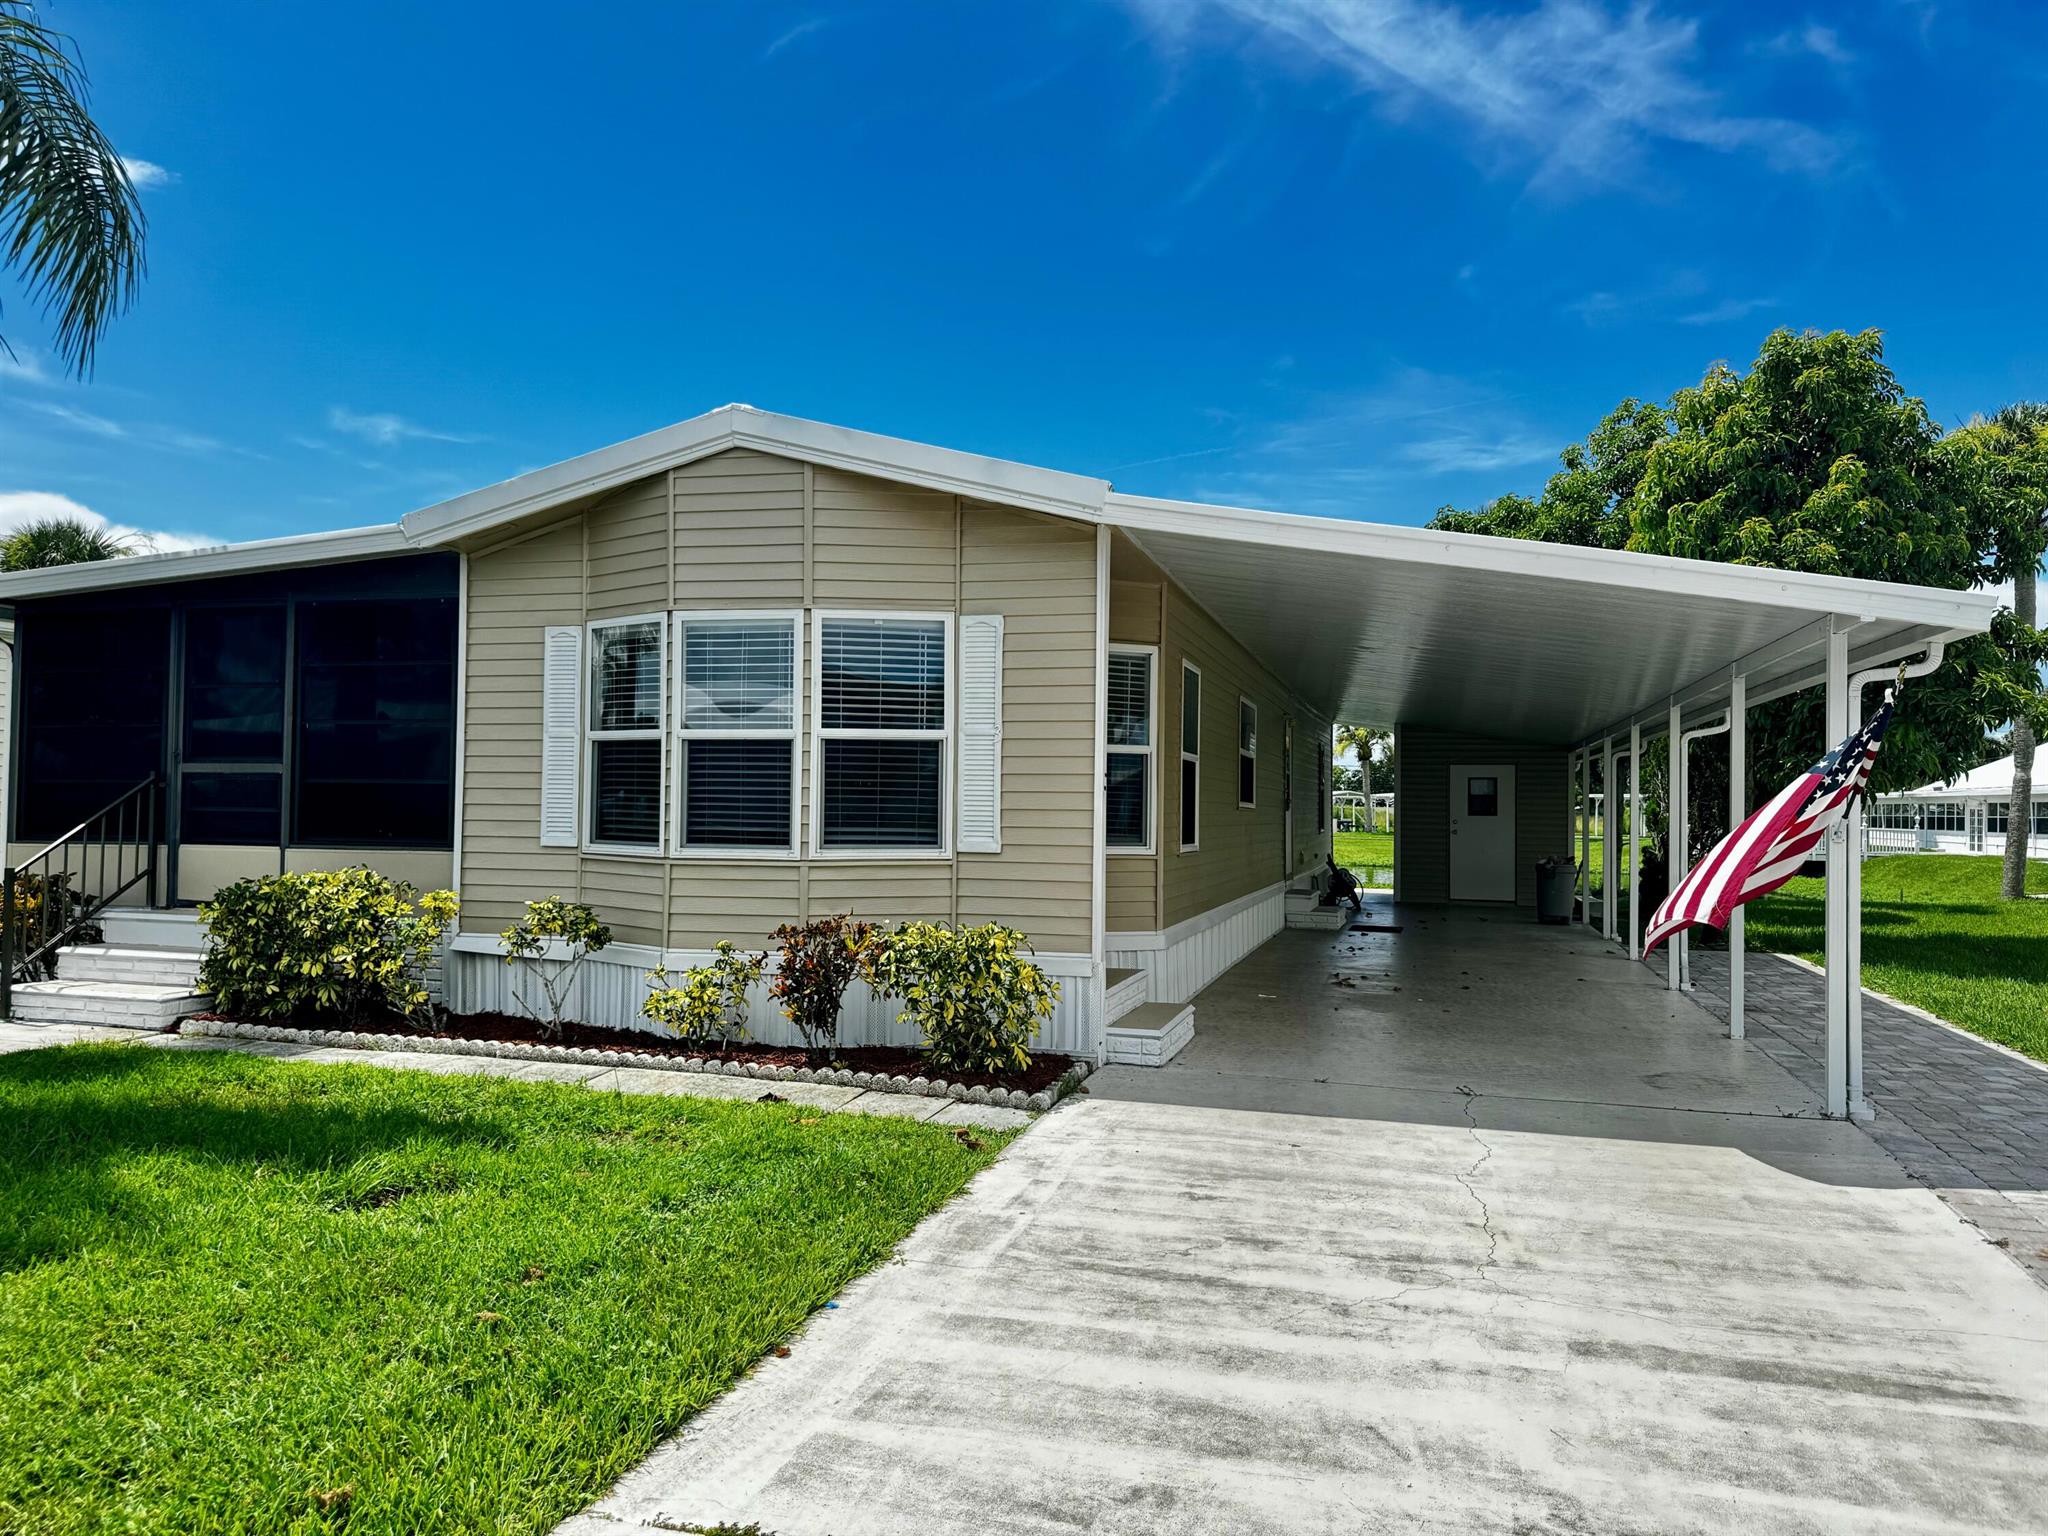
{"points": [[1247, 753], [1190, 757]]}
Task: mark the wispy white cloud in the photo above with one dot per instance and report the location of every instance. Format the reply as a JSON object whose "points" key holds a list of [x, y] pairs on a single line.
{"points": [[147, 174], [384, 429], [24, 367], [140, 434], [19, 507], [1470, 449], [1727, 310], [1577, 90], [1813, 39], [796, 34]]}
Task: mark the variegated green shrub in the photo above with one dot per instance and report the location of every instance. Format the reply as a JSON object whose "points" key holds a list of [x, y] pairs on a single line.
{"points": [[974, 994], [346, 945], [708, 1004]]}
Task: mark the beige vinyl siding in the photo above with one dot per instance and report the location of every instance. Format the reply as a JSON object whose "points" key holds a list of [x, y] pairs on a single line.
{"points": [[1241, 849], [739, 519], [737, 525], [514, 593], [627, 553], [877, 544], [1422, 765], [1134, 612], [1039, 574]]}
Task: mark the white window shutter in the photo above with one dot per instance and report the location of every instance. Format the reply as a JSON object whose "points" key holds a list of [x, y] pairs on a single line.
{"points": [[981, 733], [561, 749]]}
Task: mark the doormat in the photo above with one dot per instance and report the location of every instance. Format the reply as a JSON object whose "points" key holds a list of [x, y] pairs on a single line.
{"points": [[1375, 927]]}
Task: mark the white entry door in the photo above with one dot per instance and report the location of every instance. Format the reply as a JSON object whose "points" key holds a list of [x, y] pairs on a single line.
{"points": [[1482, 832]]}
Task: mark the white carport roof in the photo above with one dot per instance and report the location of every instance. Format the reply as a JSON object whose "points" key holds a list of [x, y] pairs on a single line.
{"points": [[1505, 637], [1368, 622]]}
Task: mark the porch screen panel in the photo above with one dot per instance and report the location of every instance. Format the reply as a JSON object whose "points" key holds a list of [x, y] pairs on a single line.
{"points": [[883, 725], [90, 714], [375, 761], [738, 732]]}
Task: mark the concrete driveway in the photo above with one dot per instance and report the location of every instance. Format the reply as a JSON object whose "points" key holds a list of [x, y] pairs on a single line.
{"points": [[1315, 1287]]}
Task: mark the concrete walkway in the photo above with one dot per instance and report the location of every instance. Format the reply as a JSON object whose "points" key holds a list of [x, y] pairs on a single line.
{"points": [[1469, 1229], [1963, 1116], [702, 1085]]}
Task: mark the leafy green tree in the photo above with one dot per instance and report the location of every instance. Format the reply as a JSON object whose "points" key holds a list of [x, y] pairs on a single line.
{"points": [[2012, 452], [1375, 749], [71, 225], [1815, 459], [51, 541]]}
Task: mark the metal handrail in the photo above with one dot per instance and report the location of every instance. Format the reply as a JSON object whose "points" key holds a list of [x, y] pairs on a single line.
{"points": [[25, 945]]}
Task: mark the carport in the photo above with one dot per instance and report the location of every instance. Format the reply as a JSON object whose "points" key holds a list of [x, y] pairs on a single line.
{"points": [[1529, 663]]}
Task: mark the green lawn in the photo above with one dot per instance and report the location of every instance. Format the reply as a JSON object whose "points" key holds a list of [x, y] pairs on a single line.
{"points": [[1363, 852], [1935, 934], [242, 1295]]}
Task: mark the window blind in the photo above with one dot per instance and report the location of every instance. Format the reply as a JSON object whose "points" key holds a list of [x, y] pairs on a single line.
{"points": [[882, 675]]}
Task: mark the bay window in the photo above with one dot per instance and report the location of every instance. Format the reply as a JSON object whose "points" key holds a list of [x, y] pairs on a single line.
{"points": [[623, 810], [883, 722], [736, 729], [1127, 774]]}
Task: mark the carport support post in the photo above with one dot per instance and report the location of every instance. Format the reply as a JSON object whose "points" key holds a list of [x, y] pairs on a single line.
{"points": [[1609, 849], [1840, 983], [1585, 835], [1738, 807], [1635, 839], [1674, 837]]}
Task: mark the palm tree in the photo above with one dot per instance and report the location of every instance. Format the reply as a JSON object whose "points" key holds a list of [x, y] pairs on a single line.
{"points": [[71, 225], [2017, 439], [59, 541]]}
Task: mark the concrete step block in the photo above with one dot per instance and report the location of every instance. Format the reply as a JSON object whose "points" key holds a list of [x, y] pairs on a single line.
{"points": [[119, 1004], [1150, 1035]]}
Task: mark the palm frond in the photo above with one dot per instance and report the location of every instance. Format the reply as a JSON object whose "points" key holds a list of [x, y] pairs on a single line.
{"points": [[48, 541], [71, 225]]}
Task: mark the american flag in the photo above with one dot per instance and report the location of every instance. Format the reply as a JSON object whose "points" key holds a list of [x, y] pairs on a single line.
{"points": [[1767, 849]]}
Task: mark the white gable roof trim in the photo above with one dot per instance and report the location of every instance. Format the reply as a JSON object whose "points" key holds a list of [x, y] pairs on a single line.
{"points": [[741, 426]]}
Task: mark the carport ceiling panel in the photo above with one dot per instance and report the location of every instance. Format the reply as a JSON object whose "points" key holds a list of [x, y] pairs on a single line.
{"points": [[1536, 658]]}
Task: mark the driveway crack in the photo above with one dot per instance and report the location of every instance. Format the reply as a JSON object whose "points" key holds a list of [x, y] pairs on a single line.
{"points": [[1467, 1097]]}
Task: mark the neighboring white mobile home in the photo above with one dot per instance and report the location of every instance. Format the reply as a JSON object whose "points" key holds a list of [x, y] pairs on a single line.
{"points": [[1967, 816]]}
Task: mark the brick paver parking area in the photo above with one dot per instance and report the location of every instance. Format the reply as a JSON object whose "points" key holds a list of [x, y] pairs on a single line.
{"points": [[1965, 1117]]}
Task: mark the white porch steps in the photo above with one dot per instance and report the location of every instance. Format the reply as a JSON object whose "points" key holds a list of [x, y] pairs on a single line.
{"points": [[1150, 1035], [1307, 909], [1122, 991], [125, 986]]}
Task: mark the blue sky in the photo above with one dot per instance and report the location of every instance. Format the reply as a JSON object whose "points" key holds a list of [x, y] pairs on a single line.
{"points": [[1358, 257]]}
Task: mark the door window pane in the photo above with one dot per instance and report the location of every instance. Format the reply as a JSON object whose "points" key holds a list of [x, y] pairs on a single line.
{"points": [[881, 794], [1482, 797]]}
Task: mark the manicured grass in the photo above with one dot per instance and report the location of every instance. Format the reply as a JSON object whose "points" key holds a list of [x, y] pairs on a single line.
{"points": [[1363, 852], [1935, 934], [242, 1295]]}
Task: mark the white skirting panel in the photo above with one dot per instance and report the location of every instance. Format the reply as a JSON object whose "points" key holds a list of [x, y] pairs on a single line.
{"points": [[611, 985], [1188, 956]]}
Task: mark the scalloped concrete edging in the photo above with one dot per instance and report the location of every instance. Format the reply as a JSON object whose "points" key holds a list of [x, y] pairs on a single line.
{"points": [[873, 1082]]}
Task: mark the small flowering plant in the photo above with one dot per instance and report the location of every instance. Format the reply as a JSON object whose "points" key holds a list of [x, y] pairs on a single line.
{"points": [[972, 992], [818, 960]]}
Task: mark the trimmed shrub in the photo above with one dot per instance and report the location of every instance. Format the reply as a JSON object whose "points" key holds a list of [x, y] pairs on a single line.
{"points": [[818, 959], [709, 1003], [549, 924], [347, 944], [977, 1000]]}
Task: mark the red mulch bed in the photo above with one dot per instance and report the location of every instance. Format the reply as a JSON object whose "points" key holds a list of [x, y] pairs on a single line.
{"points": [[896, 1060]]}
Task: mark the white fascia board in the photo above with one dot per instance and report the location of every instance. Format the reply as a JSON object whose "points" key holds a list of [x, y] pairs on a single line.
{"points": [[199, 564], [741, 426], [1970, 612]]}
